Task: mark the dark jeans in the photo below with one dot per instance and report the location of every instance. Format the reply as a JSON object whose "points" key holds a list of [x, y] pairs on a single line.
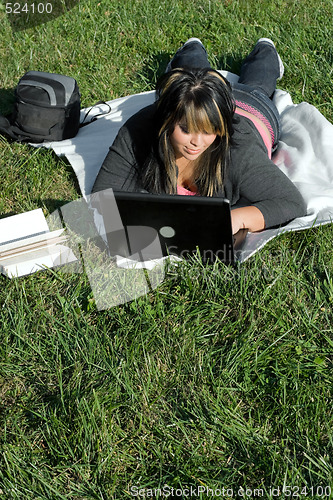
{"points": [[257, 81]]}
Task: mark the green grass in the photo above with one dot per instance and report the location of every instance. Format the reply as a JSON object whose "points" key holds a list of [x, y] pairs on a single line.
{"points": [[218, 378]]}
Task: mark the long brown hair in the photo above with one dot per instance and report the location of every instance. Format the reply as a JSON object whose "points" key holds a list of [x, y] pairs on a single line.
{"points": [[202, 101]]}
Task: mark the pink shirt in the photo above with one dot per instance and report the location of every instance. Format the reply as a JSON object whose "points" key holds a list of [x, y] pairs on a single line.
{"points": [[182, 190]]}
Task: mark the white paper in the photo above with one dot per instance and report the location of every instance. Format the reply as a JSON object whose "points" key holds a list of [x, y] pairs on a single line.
{"points": [[22, 225], [38, 260], [20, 244]]}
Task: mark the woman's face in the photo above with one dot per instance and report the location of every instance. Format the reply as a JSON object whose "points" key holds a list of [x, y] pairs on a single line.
{"points": [[190, 145]]}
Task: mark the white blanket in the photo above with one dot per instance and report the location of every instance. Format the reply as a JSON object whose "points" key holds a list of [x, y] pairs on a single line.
{"points": [[305, 155]]}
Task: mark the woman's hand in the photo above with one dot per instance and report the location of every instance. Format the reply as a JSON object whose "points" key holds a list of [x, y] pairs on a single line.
{"points": [[250, 218]]}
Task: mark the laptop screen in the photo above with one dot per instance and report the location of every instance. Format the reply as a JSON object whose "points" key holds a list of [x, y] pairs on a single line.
{"points": [[153, 225]]}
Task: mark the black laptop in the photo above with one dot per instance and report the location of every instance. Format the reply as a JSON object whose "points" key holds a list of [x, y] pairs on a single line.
{"points": [[153, 226]]}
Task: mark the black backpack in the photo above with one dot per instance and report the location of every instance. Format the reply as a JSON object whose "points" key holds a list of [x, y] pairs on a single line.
{"points": [[47, 108]]}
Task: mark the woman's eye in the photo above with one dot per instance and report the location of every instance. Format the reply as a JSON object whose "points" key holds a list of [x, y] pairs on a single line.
{"points": [[183, 128]]}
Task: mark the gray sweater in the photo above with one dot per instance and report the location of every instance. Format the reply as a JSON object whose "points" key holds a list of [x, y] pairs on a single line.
{"points": [[253, 179]]}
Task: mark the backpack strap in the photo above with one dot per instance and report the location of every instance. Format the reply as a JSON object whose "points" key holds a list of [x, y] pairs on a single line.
{"points": [[6, 128], [94, 118]]}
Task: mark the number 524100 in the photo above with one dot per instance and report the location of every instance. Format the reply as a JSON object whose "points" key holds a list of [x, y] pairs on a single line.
{"points": [[28, 8]]}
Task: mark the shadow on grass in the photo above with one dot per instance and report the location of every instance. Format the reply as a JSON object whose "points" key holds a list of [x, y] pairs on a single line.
{"points": [[158, 63], [28, 15], [7, 101]]}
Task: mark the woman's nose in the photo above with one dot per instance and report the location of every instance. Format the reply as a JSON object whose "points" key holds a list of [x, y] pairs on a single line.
{"points": [[196, 139]]}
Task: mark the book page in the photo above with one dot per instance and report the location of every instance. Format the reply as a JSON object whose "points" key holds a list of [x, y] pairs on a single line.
{"points": [[31, 243], [17, 227], [31, 262]]}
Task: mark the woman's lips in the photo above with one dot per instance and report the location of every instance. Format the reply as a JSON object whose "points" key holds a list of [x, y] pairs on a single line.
{"points": [[192, 151]]}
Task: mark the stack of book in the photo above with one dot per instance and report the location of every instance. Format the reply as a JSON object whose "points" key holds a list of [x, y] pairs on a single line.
{"points": [[27, 245]]}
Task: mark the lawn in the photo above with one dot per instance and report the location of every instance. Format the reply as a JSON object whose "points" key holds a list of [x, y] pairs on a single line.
{"points": [[219, 381]]}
